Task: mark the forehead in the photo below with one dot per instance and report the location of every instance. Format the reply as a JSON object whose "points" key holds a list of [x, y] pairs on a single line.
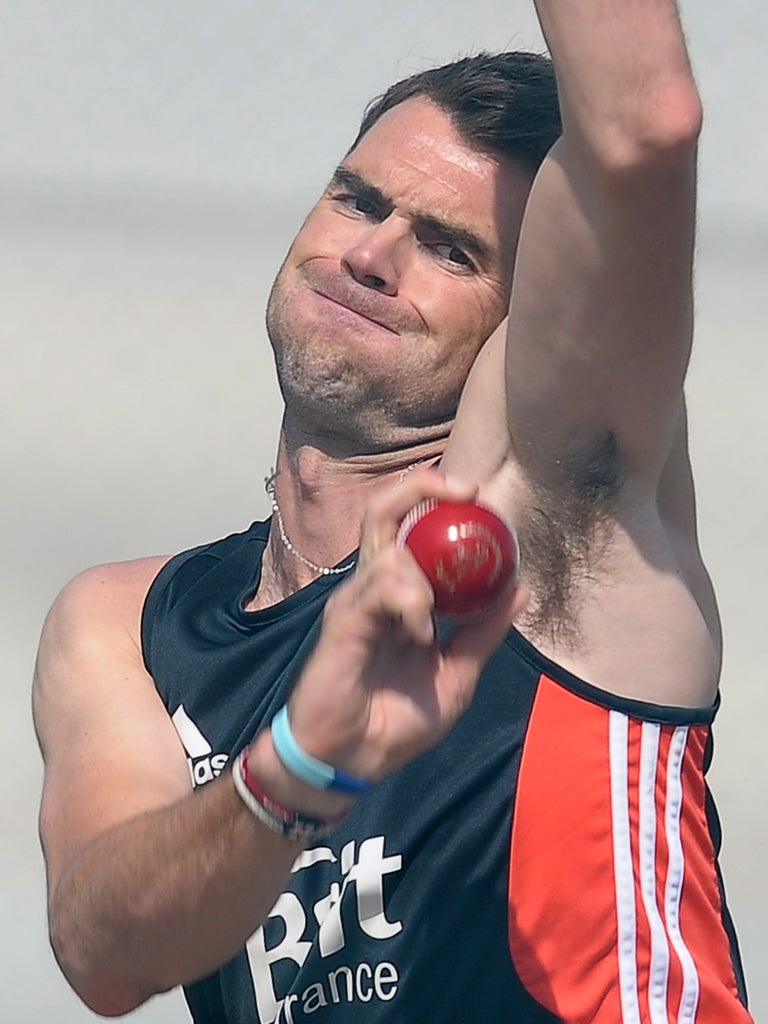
{"points": [[415, 156]]}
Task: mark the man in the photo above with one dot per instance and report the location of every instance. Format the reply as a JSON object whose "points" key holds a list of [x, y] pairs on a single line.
{"points": [[537, 843]]}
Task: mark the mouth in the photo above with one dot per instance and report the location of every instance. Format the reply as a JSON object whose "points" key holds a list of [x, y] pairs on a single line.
{"points": [[355, 308]]}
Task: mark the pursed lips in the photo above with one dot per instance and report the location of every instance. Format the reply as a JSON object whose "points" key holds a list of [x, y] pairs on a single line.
{"points": [[351, 307]]}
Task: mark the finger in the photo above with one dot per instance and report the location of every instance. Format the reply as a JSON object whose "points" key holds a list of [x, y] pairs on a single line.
{"points": [[391, 594], [399, 596], [410, 614]]}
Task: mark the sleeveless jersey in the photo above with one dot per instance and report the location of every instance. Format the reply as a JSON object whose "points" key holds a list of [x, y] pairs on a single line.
{"points": [[554, 859]]}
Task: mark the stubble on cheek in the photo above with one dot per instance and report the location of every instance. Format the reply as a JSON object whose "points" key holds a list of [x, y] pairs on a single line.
{"points": [[317, 381], [341, 386]]}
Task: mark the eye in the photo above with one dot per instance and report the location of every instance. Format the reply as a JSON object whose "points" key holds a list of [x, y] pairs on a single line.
{"points": [[452, 254], [359, 205], [364, 206]]}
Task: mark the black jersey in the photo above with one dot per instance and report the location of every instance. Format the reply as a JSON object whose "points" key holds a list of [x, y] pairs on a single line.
{"points": [[554, 859]]}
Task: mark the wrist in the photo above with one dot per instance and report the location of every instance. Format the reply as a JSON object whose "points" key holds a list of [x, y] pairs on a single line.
{"points": [[289, 824], [289, 790], [305, 766]]}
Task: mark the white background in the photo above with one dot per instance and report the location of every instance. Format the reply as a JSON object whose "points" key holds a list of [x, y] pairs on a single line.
{"points": [[156, 157]]}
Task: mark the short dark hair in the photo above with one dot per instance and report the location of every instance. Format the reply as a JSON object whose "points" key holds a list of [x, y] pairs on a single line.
{"points": [[503, 104]]}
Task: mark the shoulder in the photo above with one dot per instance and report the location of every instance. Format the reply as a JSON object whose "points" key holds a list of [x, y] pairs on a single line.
{"points": [[105, 603], [109, 587], [89, 657], [108, 746], [100, 604]]}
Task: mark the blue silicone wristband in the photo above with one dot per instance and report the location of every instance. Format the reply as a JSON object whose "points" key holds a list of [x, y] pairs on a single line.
{"points": [[306, 767]]}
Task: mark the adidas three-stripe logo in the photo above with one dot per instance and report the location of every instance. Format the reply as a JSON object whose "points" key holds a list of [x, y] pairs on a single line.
{"points": [[204, 765]]}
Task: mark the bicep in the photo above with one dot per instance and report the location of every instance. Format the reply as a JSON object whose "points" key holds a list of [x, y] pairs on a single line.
{"points": [[108, 744], [599, 330], [601, 314]]}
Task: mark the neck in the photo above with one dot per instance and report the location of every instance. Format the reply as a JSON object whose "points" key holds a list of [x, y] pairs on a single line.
{"points": [[322, 499]]}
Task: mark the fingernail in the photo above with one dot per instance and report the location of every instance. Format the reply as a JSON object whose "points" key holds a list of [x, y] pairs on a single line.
{"points": [[429, 633], [458, 486]]}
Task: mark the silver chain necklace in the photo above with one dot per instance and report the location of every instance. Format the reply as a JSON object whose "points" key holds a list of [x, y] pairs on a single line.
{"points": [[324, 570]]}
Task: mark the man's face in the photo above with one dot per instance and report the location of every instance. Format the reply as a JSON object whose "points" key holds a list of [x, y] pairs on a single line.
{"points": [[399, 274]]}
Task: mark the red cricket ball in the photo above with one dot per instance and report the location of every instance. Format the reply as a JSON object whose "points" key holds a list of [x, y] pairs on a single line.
{"points": [[469, 555]]}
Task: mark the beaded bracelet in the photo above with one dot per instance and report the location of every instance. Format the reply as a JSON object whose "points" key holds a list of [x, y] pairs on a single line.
{"points": [[292, 825], [308, 768]]}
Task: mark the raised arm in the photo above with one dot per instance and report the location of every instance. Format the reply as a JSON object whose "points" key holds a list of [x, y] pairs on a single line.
{"points": [[600, 324], [601, 318], [572, 419]]}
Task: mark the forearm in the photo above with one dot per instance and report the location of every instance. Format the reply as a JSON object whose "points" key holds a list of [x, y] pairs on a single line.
{"points": [[168, 896], [624, 78]]}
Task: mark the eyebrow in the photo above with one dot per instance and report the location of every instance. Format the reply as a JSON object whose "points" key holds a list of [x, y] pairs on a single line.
{"points": [[459, 236], [344, 178]]}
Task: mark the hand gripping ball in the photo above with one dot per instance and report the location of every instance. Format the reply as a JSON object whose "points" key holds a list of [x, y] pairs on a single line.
{"points": [[469, 555]]}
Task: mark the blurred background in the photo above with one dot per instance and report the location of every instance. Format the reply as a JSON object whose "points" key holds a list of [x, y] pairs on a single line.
{"points": [[157, 157]]}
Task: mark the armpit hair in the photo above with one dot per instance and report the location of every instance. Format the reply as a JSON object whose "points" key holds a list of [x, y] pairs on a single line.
{"points": [[563, 534]]}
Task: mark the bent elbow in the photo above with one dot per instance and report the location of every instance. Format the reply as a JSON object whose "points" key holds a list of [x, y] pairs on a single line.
{"points": [[93, 982], [675, 126], [660, 137], [109, 1004]]}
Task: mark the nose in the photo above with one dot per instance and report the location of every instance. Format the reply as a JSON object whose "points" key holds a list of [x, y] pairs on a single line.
{"points": [[375, 260]]}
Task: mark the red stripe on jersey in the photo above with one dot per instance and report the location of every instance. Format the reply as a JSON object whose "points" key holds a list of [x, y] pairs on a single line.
{"points": [[614, 907]]}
